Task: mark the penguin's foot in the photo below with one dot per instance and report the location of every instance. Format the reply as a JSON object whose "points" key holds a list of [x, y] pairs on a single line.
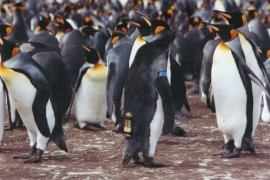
{"points": [[94, 127], [195, 88], [23, 156], [149, 162], [26, 155], [126, 159], [178, 131], [234, 154], [178, 115], [229, 148], [119, 130], [35, 158], [248, 145]]}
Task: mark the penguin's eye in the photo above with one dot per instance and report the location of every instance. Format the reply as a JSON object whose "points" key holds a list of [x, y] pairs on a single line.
{"points": [[159, 29]]}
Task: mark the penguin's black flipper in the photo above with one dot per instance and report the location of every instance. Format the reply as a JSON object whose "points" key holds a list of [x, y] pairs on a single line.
{"points": [[255, 79], [178, 86], [83, 70], [165, 92], [109, 87]]}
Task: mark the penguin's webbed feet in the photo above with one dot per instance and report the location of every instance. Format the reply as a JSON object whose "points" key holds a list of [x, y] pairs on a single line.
{"points": [[149, 162], [248, 145], [230, 151], [26, 155], [35, 158], [178, 131], [94, 127]]}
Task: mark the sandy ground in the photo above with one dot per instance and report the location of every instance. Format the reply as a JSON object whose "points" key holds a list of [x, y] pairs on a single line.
{"points": [[98, 154]]}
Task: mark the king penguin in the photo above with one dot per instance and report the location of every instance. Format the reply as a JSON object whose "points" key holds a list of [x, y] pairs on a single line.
{"points": [[117, 62], [28, 86], [253, 61], [148, 99], [90, 92], [231, 80]]}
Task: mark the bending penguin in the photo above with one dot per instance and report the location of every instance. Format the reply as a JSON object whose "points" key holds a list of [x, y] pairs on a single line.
{"points": [[148, 99], [89, 97], [28, 86], [231, 80]]}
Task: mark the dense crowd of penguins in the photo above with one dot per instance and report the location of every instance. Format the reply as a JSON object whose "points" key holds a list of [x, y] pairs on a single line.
{"points": [[128, 60]]}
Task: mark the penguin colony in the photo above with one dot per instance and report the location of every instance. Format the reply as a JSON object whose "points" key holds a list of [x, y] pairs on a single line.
{"points": [[127, 61]]}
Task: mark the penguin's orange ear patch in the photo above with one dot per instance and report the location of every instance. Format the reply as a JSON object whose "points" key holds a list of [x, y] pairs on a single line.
{"points": [[124, 30], [15, 51], [158, 29], [115, 39], [8, 31], [38, 28], [268, 54], [1, 41]]}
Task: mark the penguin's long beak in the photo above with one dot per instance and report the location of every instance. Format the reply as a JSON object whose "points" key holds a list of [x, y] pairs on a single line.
{"points": [[134, 23], [224, 14]]}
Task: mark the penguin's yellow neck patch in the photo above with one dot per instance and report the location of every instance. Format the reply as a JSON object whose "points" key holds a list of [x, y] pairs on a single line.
{"points": [[97, 73], [5, 72], [140, 39]]}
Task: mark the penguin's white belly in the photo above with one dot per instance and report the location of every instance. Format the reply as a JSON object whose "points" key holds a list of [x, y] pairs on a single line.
{"points": [[23, 94], [90, 101], [219, 5], [256, 90], [156, 127], [135, 48], [229, 93]]}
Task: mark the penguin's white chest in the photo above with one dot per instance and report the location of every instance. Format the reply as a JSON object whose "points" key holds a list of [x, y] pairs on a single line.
{"points": [[90, 99], [23, 94], [229, 92], [137, 44]]}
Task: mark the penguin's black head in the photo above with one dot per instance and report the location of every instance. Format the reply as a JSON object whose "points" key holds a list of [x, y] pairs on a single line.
{"points": [[143, 27], [18, 7], [91, 55], [87, 30], [225, 31], [235, 18], [43, 25], [122, 26], [117, 35], [8, 49], [87, 20], [5, 30], [253, 13], [159, 26]]}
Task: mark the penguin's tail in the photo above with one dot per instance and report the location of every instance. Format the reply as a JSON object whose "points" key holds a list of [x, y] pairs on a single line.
{"points": [[60, 141]]}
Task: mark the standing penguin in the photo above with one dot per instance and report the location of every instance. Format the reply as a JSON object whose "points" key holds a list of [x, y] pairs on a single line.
{"points": [[21, 31], [253, 61], [29, 88], [90, 92], [72, 52], [148, 99], [145, 35], [231, 79], [117, 62]]}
